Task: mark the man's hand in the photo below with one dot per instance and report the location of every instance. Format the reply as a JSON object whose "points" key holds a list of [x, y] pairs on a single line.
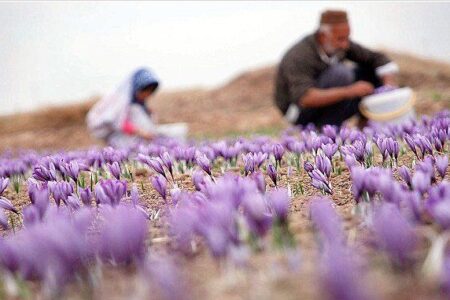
{"points": [[360, 89], [390, 80]]}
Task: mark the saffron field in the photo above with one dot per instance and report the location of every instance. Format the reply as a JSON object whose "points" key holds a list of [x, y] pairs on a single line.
{"points": [[336, 214]]}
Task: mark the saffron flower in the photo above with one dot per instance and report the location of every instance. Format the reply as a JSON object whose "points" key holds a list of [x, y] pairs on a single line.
{"points": [[272, 172], [438, 204], [421, 181], [41, 173], [329, 150], [441, 165], [394, 234], [279, 202], [323, 164], [405, 174], [114, 169], [167, 161], [159, 182], [278, 152], [6, 204], [198, 180], [71, 169], [153, 163], [340, 276], [85, 195], [4, 182], [326, 220], [204, 163], [257, 214], [110, 191], [60, 190], [122, 235]]}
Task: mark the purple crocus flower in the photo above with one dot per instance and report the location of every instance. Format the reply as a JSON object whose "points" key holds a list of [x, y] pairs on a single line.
{"points": [[437, 144], [424, 144], [392, 147], [249, 163], [279, 202], [350, 161], [6, 204], [110, 191], [441, 165], [198, 179], [410, 142], [63, 260], [60, 190], [272, 172], [167, 161], [427, 166], [3, 219], [182, 222], [217, 225], [257, 214], [382, 144], [31, 215], [341, 278], [296, 147], [252, 161], [370, 180], [71, 169], [438, 204], [323, 164], [258, 177], [405, 174], [41, 173], [259, 158], [394, 234], [114, 169], [73, 202], [153, 163], [85, 195], [160, 185], [122, 235], [278, 152], [330, 131], [309, 167], [204, 163], [329, 150], [320, 181], [326, 220], [134, 194], [421, 181], [4, 182], [39, 196]]}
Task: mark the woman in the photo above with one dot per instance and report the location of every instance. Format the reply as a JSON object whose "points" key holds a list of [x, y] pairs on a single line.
{"points": [[122, 117]]}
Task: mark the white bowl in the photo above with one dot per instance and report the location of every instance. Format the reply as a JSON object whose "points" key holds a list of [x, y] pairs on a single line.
{"points": [[394, 107]]}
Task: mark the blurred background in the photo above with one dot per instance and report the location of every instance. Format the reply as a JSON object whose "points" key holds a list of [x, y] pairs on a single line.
{"points": [[218, 55]]}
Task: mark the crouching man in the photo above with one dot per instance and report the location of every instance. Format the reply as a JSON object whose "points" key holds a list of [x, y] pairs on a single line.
{"points": [[322, 78]]}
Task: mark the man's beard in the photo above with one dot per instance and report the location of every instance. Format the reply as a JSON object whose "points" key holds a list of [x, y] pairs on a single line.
{"points": [[332, 51]]}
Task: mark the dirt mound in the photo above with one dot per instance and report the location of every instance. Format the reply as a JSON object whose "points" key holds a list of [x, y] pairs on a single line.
{"points": [[242, 105]]}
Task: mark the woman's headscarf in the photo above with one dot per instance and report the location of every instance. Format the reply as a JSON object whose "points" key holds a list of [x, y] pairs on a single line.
{"points": [[142, 79]]}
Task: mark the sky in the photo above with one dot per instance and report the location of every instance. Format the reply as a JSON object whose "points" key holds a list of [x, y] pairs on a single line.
{"points": [[54, 53]]}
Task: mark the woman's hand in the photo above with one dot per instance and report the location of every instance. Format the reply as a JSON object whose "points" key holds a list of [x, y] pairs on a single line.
{"points": [[145, 135]]}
